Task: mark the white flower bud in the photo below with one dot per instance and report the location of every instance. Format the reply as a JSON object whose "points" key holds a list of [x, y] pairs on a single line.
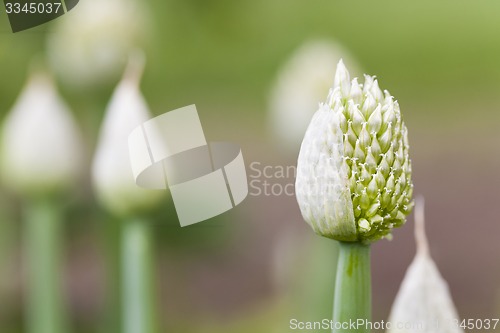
{"points": [[111, 171], [353, 172], [423, 302], [91, 43], [41, 143]]}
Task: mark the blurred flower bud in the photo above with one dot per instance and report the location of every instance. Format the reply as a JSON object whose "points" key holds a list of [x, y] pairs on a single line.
{"points": [[301, 84], [91, 43], [41, 150], [354, 172], [423, 303], [111, 171]]}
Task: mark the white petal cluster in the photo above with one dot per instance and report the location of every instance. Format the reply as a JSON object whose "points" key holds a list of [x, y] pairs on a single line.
{"points": [[41, 146], [92, 42], [354, 172], [111, 171], [302, 82]]}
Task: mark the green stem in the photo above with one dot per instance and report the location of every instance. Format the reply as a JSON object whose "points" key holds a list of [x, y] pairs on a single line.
{"points": [[352, 300], [111, 231], [138, 289], [43, 241]]}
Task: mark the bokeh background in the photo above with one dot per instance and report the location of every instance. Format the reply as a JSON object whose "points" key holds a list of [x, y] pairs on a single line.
{"points": [[258, 266]]}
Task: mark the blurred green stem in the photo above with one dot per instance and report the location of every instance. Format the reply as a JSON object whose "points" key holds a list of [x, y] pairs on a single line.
{"points": [[139, 314], [43, 241], [112, 241], [352, 300]]}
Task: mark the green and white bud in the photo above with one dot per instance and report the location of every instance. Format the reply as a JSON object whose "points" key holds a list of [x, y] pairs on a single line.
{"points": [[353, 172]]}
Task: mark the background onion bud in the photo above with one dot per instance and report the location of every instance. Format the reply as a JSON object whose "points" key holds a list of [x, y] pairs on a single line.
{"points": [[41, 145], [354, 173]]}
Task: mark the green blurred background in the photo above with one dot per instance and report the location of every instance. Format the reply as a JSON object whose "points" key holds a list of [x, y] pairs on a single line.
{"points": [[256, 267]]}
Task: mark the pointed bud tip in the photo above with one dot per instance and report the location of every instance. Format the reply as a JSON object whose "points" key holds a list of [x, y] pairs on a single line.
{"points": [[135, 66], [342, 78], [420, 234]]}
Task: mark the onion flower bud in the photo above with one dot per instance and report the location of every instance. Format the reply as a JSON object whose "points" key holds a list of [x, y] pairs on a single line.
{"points": [[41, 150], [354, 172], [111, 170], [424, 302], [91, 44]]}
